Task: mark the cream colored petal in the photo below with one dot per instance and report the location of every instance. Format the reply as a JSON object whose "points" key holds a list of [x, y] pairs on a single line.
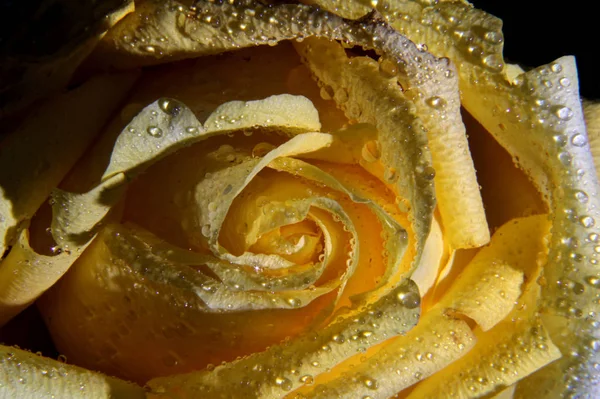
{"points": [[25, 275], [26, 375], [167, 125], [591, 113], [36, 157], [75, 216]]}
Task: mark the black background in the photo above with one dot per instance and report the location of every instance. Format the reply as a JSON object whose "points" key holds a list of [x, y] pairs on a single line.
{"points": [[537, 33]]}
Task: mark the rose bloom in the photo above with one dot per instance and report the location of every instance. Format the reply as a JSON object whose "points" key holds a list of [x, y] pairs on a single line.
{"points": [[259, 199]]}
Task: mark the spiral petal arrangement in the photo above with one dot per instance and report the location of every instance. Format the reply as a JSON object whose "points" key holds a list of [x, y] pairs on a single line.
{"points": [[286, 205]]}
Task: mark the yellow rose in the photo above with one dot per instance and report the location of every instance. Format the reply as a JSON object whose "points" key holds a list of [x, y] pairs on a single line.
{"points": [[302, 218]]}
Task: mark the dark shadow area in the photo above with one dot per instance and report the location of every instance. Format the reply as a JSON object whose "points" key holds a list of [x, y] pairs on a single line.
{"points": [[28, 331]]}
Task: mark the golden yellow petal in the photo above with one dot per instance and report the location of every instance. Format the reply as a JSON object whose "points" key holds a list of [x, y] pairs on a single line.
{"points": [[284, 367], [435, 342]]}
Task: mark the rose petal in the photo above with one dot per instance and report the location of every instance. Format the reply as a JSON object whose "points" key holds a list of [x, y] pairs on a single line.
{"points": [[26, 375], [43, 150]]}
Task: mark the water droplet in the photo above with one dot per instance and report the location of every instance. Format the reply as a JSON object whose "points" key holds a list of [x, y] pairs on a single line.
{"points": [[409, 299], [594, 281], [563, 113], [587, 221], [565, 158], [284, 383], [168, 106], [294, 302], [578, 140], [577, 288], [371, 151], [428, 173], [191, 130], [493, 62], [388, 68], [581, 197], [564, 82], [560, 140], [493, 37], [436, 102], [307, 379], [338, 338], [370, 383], [154, 131], [556, 68]]}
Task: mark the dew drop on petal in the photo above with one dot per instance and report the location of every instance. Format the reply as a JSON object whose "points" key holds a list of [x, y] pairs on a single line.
{"points": [[284, 383], [581, 197], [578, 140], [429, 173], [493, 37], [370, 383], [594, 281], [565, 158], [556, 68], [493, 62], [154, 131], [168, 106], [387, 68], [294, 302], [307, 379], [587, 221], [564, 82], [409, 299], [563, 113], [436, 102]]}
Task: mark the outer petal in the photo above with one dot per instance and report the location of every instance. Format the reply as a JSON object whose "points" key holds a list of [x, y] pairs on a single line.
{"points": [[26, 375], [32, 162], [286, 366], [36, 157], [25, 275], [591, 112], [537, 117]]}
